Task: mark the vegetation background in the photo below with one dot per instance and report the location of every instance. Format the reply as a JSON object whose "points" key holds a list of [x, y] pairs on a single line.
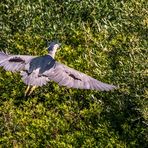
{"points": [[106, 39]]}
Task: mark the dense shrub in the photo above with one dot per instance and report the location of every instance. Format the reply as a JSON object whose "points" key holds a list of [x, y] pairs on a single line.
{"points": [[106, 39]]}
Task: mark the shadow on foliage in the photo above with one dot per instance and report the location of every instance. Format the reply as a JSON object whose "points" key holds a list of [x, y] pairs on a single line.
{"points": [[125, 118]]}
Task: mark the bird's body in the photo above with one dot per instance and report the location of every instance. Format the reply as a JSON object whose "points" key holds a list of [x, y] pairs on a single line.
{"points": [[38, 70]]}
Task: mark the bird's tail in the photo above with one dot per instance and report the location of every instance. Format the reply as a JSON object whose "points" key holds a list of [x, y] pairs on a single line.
{"points": [[33, 79]]}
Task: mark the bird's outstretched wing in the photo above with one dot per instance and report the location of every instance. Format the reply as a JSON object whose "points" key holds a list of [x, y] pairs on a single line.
{"points": [[14, 63], [66, 76]]}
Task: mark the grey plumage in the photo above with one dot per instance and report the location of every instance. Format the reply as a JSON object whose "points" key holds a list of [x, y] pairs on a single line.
{"points": [[37, 71]]}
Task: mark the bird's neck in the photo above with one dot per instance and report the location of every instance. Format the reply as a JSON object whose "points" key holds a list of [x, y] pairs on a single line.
{"points": [[52, 54]]}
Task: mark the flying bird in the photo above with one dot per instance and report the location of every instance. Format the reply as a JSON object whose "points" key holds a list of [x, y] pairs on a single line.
{"points": [[39, 70]]}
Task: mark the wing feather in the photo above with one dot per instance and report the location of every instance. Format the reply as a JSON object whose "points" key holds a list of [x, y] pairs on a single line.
{"points": [[66, 76], [14, 63]]}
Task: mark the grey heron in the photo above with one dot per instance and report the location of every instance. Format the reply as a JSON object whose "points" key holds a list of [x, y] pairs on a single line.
{"points": [[38, 70]]}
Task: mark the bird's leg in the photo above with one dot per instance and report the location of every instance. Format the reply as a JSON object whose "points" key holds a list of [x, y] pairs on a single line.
{"points": [[27, 90], [32, 89]]}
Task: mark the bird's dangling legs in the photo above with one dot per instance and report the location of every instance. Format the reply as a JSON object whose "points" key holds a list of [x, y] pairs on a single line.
{"points": [[27, 90], [31, 90]]}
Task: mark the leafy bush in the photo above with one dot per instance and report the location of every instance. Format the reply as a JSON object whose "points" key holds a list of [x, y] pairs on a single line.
{"points": [[105, 39]]}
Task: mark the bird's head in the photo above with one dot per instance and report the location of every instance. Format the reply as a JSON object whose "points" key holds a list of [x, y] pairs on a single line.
{"points": [[52, 48]]}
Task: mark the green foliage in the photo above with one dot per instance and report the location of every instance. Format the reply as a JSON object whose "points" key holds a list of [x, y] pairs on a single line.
{"points": [[105, 39]]}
